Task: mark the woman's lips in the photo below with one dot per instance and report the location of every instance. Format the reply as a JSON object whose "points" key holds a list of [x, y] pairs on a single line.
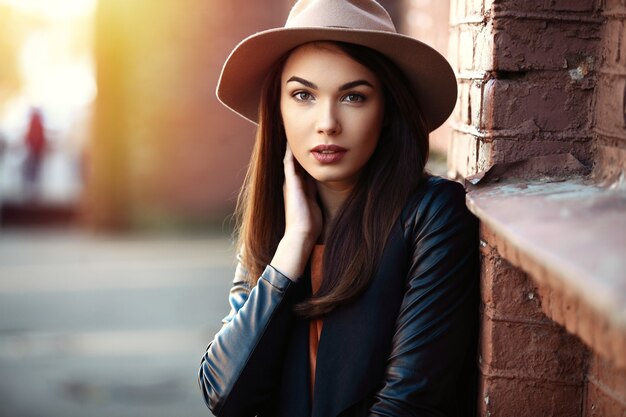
{"points": [[328, 154]]}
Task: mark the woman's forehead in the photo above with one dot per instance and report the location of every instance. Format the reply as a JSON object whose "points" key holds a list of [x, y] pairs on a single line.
{"points": [[325, 60]]}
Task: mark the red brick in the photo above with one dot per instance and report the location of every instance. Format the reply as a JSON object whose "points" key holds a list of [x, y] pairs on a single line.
{"points": [[467, 42], [490, 237], [599, 404], [509, 150], [522, 44], [549, 78], [613, 43], [485, 352], [464, 106], [587, 323], [570, 309], [469, 107], [600, 330], [613, 379], [551, 105], [528, 398], [484, 58], [611, 40], [600, 335], [609, 162], [476, 115], [614, 6], [538, 351], [462, 156], [584, 321], [555, 309], [455, 116], [538, 6], [516, 5], [509, 291], [572, 5], [617, 346], [610, 105]]}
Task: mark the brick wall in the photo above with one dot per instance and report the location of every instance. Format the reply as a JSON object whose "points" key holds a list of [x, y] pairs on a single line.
{"points": [[539, 77], [529, 365], [526, 80], [610, 97]]}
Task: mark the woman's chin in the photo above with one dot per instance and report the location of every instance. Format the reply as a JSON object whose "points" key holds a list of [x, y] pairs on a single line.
{"points": [[334, 179]]}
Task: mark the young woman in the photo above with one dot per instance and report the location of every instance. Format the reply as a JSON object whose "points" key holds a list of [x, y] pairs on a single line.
{"points": [[356, 289]]}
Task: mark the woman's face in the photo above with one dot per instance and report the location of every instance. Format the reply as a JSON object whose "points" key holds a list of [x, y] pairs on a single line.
{"points": [[332, 108]]}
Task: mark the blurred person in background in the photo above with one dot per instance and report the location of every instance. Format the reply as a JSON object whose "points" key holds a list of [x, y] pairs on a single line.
{"points": [[356, 292], [35, 143]]}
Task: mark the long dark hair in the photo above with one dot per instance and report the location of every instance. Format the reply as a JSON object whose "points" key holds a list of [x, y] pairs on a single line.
{"points": [[362, 225]]}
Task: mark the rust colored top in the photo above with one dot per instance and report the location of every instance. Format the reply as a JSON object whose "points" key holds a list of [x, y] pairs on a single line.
{"points": [[315, 328]]}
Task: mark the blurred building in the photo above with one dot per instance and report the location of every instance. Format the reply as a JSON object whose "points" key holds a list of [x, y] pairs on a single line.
{"points": [[47, 68], [165, 152]]}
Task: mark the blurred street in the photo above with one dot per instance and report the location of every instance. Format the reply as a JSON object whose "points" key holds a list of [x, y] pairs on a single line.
{"points": [[107, 326]]}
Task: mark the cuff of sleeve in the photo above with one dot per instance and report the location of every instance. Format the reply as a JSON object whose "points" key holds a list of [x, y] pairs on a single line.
{"points": [[275, 278]]}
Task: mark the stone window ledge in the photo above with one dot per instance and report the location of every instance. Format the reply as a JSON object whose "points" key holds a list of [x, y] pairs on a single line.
{"points": [[570, 237]]}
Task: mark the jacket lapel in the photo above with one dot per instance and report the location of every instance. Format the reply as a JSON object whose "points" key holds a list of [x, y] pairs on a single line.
{"points": [[294, 397], [347, 372]]}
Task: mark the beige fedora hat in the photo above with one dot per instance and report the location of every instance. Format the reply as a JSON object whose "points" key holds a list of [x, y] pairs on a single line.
{"points": [[361, 22]]}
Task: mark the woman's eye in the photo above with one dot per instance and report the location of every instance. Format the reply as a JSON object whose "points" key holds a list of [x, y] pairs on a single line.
{"points": [[302, 96], [354, 98]]}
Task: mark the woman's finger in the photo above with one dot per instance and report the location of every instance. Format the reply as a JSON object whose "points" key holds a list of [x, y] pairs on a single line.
{"points": [[287, 154], [289, 165]]}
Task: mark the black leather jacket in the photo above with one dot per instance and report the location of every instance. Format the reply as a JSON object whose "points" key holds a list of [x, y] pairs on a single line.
{"points": [[405, 348]]}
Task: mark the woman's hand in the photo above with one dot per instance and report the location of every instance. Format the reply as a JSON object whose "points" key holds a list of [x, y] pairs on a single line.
{"points": [[303, 220], [303, 216]]}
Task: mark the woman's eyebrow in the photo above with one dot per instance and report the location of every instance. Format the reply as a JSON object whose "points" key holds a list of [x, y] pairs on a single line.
{"points": [[302, 81], [345, 86], [353, 84]]}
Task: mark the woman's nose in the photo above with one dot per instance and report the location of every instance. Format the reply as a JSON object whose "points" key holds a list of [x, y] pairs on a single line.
{"points": [[327, 120]]}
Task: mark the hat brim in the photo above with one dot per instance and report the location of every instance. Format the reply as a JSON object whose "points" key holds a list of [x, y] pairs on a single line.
{"points": [[243, 73]]}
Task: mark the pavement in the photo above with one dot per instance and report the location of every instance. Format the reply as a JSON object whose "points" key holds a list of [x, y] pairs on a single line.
{"points": [[95, 325]]}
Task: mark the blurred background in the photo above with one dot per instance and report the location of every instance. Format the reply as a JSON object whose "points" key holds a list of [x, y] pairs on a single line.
{"points": [[118, 172]]}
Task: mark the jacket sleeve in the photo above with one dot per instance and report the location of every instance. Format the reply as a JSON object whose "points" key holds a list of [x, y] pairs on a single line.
{"points": [[436, 325], [238, 371]]}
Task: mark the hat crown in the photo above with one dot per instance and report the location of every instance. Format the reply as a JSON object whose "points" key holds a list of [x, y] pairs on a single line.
{"points": [[350, 14]]}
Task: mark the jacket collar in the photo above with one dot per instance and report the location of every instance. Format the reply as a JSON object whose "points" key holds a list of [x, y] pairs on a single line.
{"points": [[347, 373]]}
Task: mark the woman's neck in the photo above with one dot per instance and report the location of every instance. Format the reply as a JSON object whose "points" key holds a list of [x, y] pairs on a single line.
{"points": [[332, 197]]}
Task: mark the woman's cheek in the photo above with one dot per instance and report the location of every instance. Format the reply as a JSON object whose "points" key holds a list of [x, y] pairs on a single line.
{"points": [[298, 152]]}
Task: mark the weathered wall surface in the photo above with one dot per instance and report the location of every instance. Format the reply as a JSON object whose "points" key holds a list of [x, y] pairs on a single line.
{"points": [[526, 80], [610, 96], [536, 78], [529, 365]]}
